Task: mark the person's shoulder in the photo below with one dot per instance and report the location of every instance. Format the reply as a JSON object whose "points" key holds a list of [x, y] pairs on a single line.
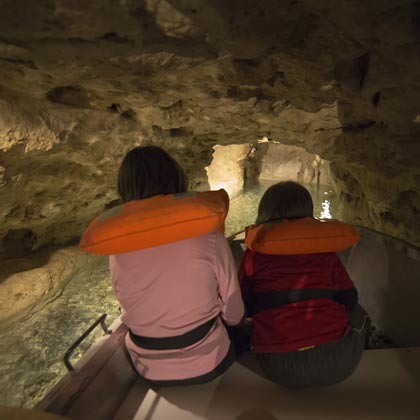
{"points": [[218, 235], [211, 237], [216, 238]]}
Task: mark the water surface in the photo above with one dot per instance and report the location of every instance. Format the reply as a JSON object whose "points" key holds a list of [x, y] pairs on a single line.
{"points": [[243, 208]]}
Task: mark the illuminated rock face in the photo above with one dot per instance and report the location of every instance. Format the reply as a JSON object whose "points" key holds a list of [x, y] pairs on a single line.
{"points": [[83, 82], [278, 161], [227, 169]]}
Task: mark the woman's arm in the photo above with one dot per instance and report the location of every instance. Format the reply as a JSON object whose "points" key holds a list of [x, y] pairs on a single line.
{"points": [[229, 291]]}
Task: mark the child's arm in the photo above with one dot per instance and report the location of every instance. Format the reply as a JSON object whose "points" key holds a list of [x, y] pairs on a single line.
{"points": [[347, 293], [227, 279], [245, 283]]}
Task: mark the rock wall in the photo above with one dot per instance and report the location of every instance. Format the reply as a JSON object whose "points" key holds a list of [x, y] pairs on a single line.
{"points": [[83, 82], [227, 169], [60, 170], [283, 162], [28, 291]]}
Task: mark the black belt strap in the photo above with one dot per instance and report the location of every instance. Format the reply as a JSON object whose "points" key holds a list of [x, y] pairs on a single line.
{"points": [[278, 298], [177, 342]]}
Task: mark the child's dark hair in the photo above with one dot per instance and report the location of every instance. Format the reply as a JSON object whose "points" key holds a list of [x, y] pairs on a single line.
{"points": [[285, 200], [147, 171]]}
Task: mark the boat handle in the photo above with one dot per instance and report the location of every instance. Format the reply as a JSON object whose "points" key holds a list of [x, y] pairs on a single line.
{"points": [[73, 347]]}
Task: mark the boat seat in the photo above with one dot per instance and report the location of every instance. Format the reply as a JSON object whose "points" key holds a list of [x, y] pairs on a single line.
{"points": [[386, 385]]}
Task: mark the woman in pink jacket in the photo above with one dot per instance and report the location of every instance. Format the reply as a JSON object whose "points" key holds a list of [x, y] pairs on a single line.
{"points": [[177, 298]]}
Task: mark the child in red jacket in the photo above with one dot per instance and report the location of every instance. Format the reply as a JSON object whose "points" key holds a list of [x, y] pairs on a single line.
{"points": [[310, 338]]}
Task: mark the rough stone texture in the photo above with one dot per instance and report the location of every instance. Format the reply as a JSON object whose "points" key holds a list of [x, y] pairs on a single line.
{"points": [[278, 161], [31, 353], [83, 82], [227, 168], [28, 291]]}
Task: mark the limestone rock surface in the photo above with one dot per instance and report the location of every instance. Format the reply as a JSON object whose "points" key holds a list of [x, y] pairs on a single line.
{"points": [[280, 162], [28, 291], [227, 168], [83, 82]]}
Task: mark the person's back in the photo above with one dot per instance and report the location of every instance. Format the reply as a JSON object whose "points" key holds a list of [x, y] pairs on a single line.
{"points": [[169, 290], [304, 307], [303, 323], [175, 297]]}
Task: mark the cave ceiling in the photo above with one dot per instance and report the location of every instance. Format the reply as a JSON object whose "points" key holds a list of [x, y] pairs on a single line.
{"points": [[84, 81]]}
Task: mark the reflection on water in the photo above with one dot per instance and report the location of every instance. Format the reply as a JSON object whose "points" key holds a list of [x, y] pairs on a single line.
{"points": [[31, 354], [243, 208], [325, 214]]}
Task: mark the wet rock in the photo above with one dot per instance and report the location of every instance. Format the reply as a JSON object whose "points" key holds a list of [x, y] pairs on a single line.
{"points": [[227, 169], [27, 291], [40, 338], [129, 114], [18, 243], [115, 108], [352, 72], [282, 162], [69, 95], [2, 176]]}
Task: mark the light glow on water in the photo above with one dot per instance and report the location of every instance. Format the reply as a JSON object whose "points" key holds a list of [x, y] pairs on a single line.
{"points": [[325, 214], [244, 208]]}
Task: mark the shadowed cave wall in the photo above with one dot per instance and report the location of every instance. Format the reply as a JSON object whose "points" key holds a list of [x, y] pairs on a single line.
{"points": [[82, 83]]}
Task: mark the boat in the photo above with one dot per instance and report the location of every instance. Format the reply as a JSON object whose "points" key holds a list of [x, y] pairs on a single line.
{"points": [[103, 385]]}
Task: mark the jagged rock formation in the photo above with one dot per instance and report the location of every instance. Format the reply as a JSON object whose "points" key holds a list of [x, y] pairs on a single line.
{"points": [[280, 162], [83, 82], [33, 288], [227, 169]]}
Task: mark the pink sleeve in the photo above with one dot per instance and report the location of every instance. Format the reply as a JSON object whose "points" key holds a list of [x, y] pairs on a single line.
{"points": [[244, 281], [229, 291]]}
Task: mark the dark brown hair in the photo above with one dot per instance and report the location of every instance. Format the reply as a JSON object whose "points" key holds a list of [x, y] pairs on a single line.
{"points": [[285, 200], [147, 171]]}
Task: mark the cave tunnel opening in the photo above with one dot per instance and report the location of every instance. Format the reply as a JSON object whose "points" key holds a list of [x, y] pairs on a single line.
{"points": [[245, 171]]}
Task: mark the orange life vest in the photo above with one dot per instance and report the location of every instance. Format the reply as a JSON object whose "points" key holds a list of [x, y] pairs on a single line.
{"points": [[300, 236], [156, 221]]}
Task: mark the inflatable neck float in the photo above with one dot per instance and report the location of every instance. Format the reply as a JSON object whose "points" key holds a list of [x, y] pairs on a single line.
{"points": [[165, 219], [300, 236], [156, 221]]}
